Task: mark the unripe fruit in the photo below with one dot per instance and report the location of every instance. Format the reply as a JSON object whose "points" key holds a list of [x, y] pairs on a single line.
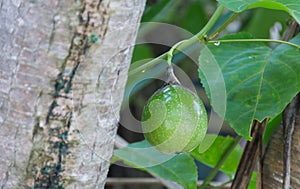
{"points": [[174, 120]]}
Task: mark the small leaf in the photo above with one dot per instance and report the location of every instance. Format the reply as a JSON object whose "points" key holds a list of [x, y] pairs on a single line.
{"points": [[259, 81], [215, 152], [178, 168], [290, 6]]}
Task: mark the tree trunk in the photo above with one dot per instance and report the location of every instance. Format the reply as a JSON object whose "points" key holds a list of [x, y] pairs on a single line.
{"points": [[62, 76]]}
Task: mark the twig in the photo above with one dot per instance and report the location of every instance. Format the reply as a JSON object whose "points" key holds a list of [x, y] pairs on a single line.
{"points": [[291, 31], [259, 183], [247, 162]]}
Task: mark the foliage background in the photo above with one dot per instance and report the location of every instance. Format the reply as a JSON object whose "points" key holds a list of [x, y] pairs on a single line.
{"points": [[190, 15]]}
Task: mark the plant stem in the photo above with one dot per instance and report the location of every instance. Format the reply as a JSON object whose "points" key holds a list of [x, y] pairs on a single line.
{"points": [[187, 43], [224, 25], [209, 24], [153, 62], [254, 40], [215, 170], [171, 52]]}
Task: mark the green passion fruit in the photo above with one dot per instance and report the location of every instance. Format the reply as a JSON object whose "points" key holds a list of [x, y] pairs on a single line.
{"points": [[174, 120]]}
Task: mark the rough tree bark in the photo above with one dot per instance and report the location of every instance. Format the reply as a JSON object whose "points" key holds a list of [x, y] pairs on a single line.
{"points": [[63, 68]]}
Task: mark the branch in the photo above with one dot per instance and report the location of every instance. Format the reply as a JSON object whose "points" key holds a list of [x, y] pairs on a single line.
{"points": [[259, 182], [247, 162]]}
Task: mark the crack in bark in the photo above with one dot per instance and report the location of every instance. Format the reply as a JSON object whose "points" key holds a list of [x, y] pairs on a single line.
{"points": [[4, 180], [49, 173], [53, 28]]}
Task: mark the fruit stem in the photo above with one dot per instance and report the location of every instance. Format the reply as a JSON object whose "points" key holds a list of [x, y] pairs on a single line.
{"points": [[171, 78], [215, 170], [185, 43]]}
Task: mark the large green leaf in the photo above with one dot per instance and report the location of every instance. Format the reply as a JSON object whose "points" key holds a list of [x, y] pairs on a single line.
{"points": [[178, 168], [215, 152], [290, 6], [259, 81]]}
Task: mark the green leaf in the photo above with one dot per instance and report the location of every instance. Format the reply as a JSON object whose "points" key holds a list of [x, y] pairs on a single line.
{"points": [[178, 168], [210, 153], [290, 6], [259, 81]]}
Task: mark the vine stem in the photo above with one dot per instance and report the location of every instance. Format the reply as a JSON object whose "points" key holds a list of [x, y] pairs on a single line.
{"points": [[215, 170], [215, 33], [171, 51], [186, 43], [254, 40]]}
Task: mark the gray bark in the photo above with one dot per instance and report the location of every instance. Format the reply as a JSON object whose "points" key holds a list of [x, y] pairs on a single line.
{"points": [[63, 68]]}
